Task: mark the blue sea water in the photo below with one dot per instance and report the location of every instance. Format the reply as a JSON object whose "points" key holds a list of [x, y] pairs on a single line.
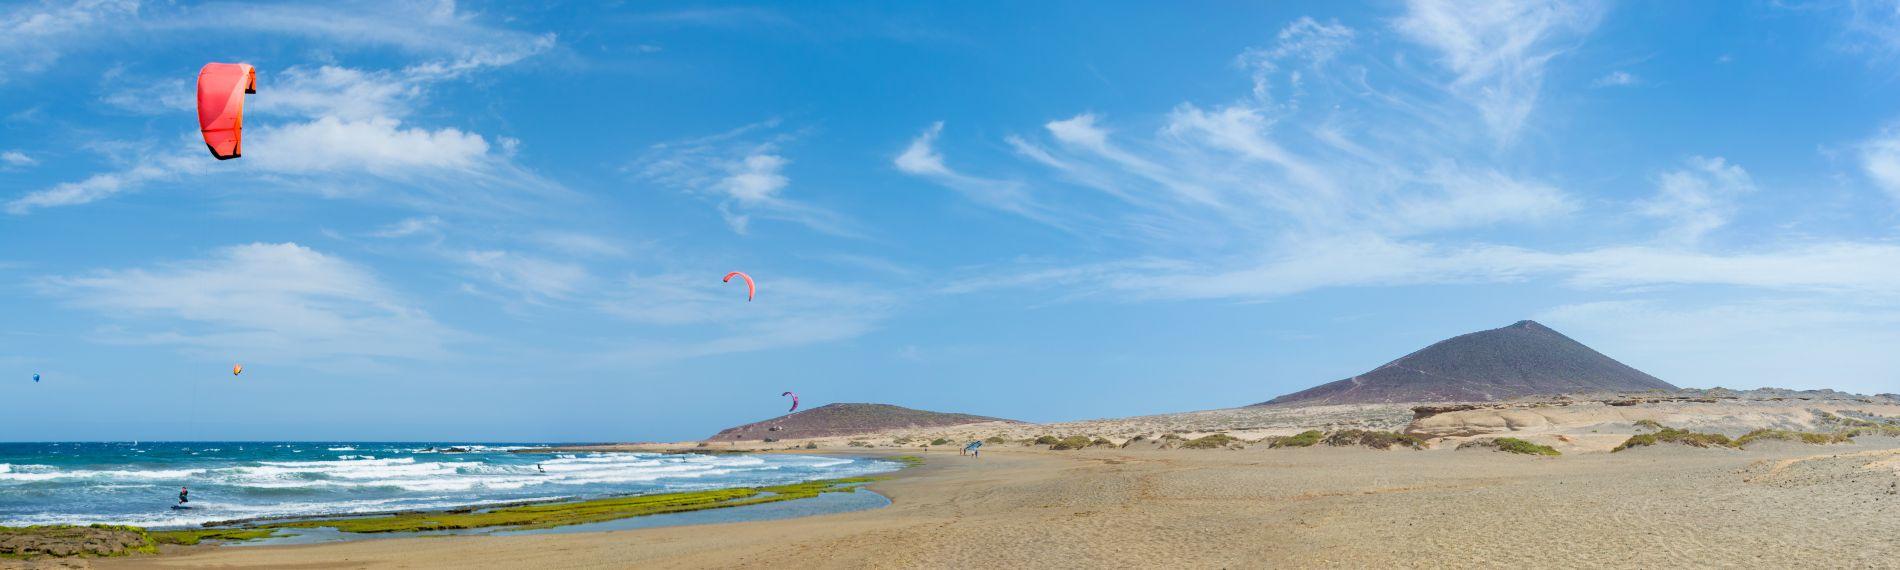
{"points": [[137, 484]]}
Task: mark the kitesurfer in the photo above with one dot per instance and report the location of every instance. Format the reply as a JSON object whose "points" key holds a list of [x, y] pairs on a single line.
{"points": [[182, 492]]}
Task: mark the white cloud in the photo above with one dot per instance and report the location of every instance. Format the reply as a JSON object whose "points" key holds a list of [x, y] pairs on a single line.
{"points": [[33, 35], [1880, 158], [100, 186], [743, 171], [1698, 198], [1304, 41], [702, 317], [1747, 343], [409, 227], [534, 279], [1497, 49], [16, 159], [379, 146], [1618, 78], [262, 302], [920, 158], [755, 179]]}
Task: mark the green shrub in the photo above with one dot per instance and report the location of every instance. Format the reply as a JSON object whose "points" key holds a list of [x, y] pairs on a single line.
{"points": [[1047, 440], [1132, 440], [1511, 445], [858, 443], [1215, 441], [1172, 436], [902, 440], [1373, 439], [940, 441], [1101, 442], [1651, 424], [812, 445], [1888, 431], [1673, 435], [995, 439], [1071, 442], [1303, 439], [1797, 436]]}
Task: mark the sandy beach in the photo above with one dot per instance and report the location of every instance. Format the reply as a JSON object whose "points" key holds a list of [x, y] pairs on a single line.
{"points": [[1027, 507]]}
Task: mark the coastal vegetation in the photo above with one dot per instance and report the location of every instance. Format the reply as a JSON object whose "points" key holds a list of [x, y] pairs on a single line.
{"points": [[1673, 435], [1303, 439], [1699, 439], [1649, 424], [548, 515], [1511, 445], [1047, 440], [1215, 441], [1794, 436], [190, 537], [1071, 442], [1373, 439]]}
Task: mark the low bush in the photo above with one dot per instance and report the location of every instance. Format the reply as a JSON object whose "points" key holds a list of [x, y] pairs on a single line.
{"points": [[1673, 435], [1215, 441], [1511, 445], [858, 443], [940, 441], [1373, 439], [1071, 442], [1796, 436], [1303, 439], [1102, 442], [995, 439], [1047, 440], [1650, 424]]}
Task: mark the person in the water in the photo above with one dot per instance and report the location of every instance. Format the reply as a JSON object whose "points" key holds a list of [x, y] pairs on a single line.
{"points": [[182, 492]]}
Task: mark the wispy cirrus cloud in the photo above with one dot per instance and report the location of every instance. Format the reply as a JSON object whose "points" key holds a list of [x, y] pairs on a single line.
{"points": [[700, 320], [327, 129], [1348, 183], [1497, 50], [282, 302], [1697, 199], [743, 171], [33, 36]]}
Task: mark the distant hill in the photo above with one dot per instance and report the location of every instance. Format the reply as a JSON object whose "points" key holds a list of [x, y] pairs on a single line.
{"points": [[1523, 359], [833, 420]]}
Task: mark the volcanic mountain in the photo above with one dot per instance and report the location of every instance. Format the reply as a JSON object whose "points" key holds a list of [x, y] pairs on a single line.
{"points": [[1523, 359], [832, 420]]}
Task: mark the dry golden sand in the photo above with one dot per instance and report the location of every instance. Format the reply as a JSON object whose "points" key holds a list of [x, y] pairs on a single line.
{"points": [[1018, 507]]}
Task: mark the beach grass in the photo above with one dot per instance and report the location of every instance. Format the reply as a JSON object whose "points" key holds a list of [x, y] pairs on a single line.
{"points": [[1512, 445], [1306, 438], [1673, 435], [1072, 442], [1795, 436], [1373, 439], [1215, 441]]}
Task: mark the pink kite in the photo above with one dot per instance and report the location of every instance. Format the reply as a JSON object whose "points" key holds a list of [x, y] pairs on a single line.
{"points": [[221, 89], [750, 287], [794, 401]]}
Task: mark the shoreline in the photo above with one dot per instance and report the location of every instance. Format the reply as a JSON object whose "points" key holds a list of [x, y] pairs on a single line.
{"points": [[1257, 507]]}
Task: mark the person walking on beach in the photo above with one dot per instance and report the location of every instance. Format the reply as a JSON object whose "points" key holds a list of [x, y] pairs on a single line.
{"points": [[182, 492]]}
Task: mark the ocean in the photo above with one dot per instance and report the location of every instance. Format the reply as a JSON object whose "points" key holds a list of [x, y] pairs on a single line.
{"points": [[137, 483]]}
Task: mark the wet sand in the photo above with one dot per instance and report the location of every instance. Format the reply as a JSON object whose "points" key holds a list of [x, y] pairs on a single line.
{"points": [[1020, 507]]}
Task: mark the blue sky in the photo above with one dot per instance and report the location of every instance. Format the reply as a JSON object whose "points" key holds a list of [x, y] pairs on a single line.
{"points": [[503, 222]]}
